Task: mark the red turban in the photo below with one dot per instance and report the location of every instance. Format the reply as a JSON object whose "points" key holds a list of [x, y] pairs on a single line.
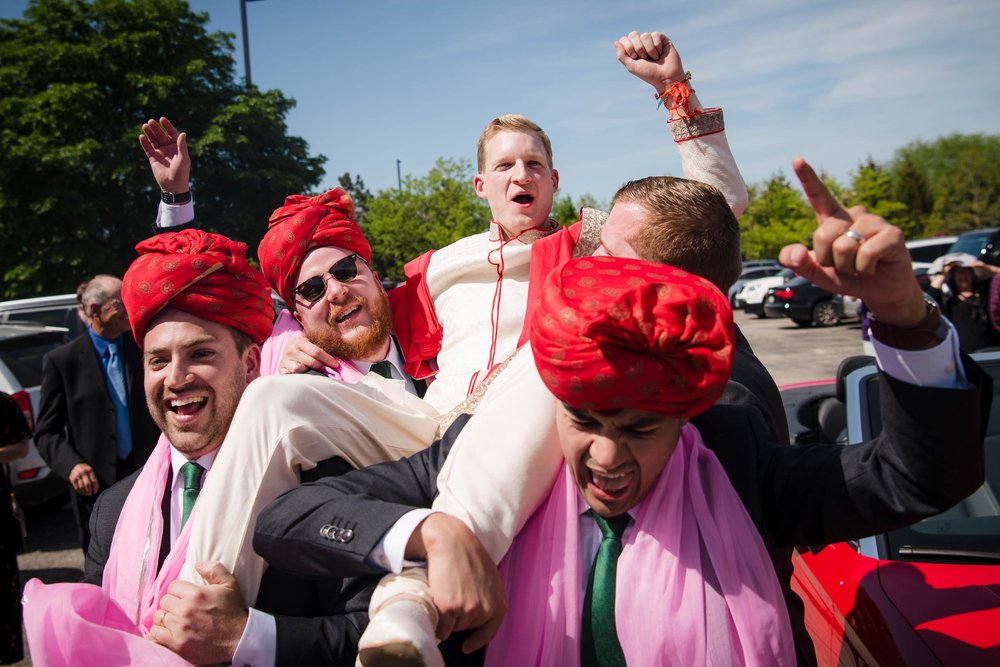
{"points": [[613, 333], [302, 224], [200, 273]]}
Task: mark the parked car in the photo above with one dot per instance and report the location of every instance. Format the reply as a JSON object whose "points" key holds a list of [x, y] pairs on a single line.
{"points": [[751, 296], [55, 311], [922, 595], [925, 251], [22, 346], [752, 273], [983, 244], [805, 304], [753, 263]]}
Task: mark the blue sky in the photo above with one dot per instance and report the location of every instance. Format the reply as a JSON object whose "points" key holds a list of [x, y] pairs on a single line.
{"points": [[832, 81]]}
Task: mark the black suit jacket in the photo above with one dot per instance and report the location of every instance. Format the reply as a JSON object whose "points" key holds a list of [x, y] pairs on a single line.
{"points": [[318, 622], [76, 418], [920, 465]]}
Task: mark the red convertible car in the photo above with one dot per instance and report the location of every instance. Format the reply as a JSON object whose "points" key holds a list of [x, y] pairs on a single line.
{"points": [[928, 594]]}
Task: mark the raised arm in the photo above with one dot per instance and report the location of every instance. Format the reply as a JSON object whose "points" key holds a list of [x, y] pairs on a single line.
{"points": [[166, 149], [699, 133]]}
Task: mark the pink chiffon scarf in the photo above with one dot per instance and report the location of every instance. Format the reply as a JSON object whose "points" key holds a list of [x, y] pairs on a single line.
{"points": [[665, 612], [287, 328], [82, 624]]}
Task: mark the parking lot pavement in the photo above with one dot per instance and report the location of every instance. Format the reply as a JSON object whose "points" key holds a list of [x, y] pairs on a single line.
{"points": [[798, 354], [791, 353]]}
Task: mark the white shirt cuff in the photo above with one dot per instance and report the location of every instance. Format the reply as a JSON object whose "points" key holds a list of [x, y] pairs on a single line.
{"points": [[939, 366], [390, 552], [172, 215], [259, 644]]}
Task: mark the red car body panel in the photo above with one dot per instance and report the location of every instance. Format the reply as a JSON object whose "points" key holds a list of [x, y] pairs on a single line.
{"points": [[864, 611]]}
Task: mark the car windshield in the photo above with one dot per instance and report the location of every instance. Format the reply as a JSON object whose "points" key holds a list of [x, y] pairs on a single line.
{"points": [[23, 356], [970, 243], [969, 532]]}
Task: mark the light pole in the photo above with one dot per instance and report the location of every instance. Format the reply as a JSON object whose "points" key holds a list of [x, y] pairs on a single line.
{"points": [[246, 40], [399, 179]]}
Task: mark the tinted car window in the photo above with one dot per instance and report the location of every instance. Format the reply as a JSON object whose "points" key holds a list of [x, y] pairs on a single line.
{"points": [[23, 356], [56, 317], [928, 253], [971, 243]]}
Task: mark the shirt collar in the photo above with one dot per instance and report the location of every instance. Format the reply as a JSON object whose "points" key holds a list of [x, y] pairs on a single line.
{"points": [[527, 237], [393, 356], [100, 343], [177, 460]]}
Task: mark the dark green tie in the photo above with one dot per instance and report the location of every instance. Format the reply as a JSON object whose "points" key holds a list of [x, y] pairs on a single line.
{"points": [[599, 644], [383, 368], [191, 474]]}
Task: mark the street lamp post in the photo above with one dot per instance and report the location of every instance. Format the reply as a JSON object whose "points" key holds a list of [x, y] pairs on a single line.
{"points": [[246, 40], [399, 179]]}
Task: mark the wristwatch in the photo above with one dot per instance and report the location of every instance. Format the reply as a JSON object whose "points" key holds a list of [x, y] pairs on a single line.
{"points": [[925, 334], [179, 198]]}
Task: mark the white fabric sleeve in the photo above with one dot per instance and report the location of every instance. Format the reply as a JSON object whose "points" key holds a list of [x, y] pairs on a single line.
{"points": [[172, 215], [390, 552], [939, 366], [709, 159], [259, 644]]}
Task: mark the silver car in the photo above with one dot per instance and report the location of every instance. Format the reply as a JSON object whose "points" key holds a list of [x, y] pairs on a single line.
{"points": [[22, 347]]}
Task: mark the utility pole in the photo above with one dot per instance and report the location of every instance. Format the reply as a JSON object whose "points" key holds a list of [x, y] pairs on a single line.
{"points": [[246, 40], [399, 178]]}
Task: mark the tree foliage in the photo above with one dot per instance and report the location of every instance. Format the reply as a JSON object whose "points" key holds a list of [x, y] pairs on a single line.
{"points": [[776, 215], [77, 79], [566, 212], [355, 187], [428, 213], [961, 176]]}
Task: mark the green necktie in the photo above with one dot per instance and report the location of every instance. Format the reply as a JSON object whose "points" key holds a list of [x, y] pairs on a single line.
{"points": [[383, 368], [191, 474], [599, 644]]}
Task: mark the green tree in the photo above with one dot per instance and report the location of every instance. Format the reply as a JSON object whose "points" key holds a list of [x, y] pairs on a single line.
{"points": [[912, 189], [566, 212], [77, 79], [355, 187], [776, 215], [962, 172], [873, 187], [428, 213]]}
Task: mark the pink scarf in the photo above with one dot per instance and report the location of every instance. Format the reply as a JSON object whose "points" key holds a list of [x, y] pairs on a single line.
{"points": [[81, 624], [287, 328], [664, 611]]}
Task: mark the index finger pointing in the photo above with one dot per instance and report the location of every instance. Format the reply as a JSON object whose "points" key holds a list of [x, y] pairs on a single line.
{"points": [[824, 203]]}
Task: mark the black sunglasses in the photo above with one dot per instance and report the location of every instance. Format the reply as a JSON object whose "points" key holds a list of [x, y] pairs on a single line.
{"points": [[343, 270]]}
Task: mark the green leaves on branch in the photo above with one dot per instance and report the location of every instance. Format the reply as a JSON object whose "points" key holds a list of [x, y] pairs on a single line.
{"points": [[428, 213], [77, 80], [946, 186]]}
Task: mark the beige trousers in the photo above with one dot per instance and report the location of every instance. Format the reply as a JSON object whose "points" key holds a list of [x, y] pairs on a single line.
{"points": [[284, 424], [500, 469]]}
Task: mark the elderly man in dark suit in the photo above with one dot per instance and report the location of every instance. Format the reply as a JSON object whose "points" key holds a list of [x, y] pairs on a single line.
{"points": [[93, 426]]}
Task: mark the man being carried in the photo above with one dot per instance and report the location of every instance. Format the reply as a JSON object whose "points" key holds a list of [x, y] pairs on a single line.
{"points": [[784, 489]]}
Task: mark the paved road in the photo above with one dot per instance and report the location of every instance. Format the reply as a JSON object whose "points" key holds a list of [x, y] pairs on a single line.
{"points": [[792, 354]]}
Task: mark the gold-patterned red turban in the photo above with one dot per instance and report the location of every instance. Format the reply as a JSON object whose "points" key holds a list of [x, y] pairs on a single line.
{"points": [[612, 333], [200, 273], [302, 224]]}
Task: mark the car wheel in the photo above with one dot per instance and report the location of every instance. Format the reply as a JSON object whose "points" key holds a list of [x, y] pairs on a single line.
{"points": [[825, 314]]}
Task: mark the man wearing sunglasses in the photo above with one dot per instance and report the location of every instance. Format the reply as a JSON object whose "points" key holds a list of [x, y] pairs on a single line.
{"points": [[316, 257]]}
